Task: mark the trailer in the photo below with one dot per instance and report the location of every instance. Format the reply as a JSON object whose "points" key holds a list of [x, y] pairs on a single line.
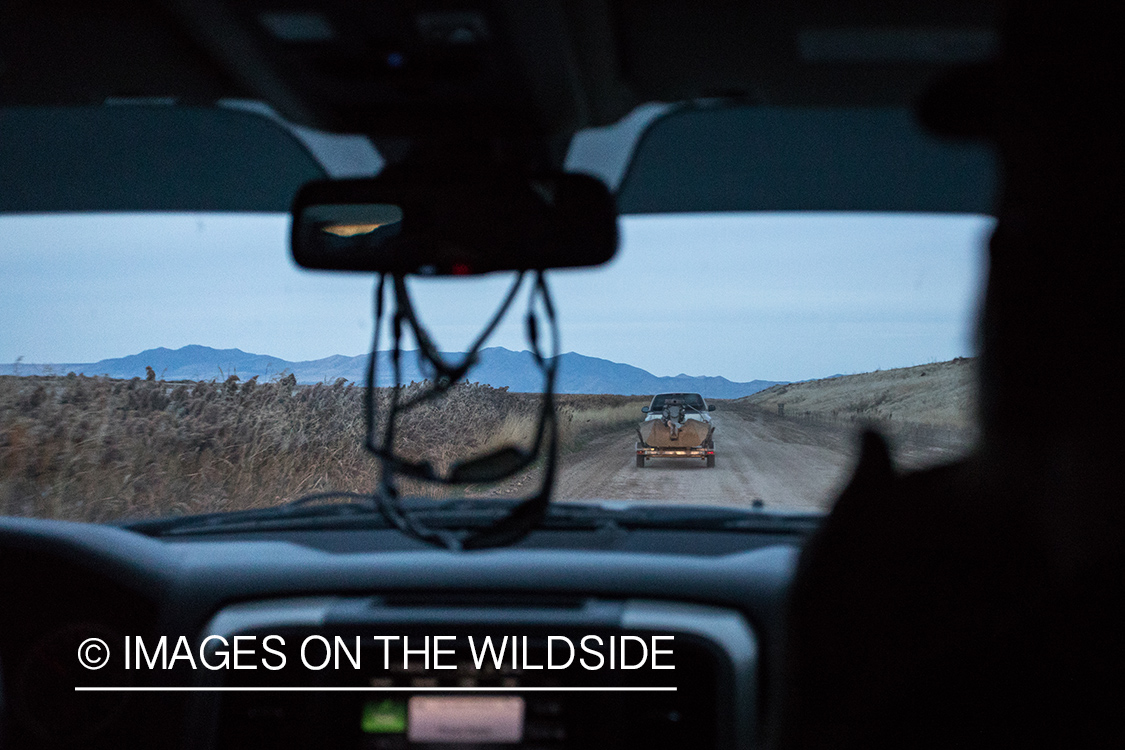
{"points": [[706, 453]]}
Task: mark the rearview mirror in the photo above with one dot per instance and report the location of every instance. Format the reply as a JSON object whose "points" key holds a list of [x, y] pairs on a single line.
{"points": [[454, 220], [710, 407], [644, 410]]}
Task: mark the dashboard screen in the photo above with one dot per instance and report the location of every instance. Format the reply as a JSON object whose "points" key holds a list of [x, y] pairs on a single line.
{"points": [[492, 719], [424, 719]]}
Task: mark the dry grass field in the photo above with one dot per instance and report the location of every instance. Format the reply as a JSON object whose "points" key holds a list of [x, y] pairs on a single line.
{"points": [[939, 394], [917, 408], [98, 449]]}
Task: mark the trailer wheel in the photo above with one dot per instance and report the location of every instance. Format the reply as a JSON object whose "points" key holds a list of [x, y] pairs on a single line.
{"points": [[640, 462], [711, 461]]}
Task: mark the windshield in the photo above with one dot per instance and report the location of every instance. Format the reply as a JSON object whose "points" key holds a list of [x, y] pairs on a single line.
{"points": [[161, 364]]}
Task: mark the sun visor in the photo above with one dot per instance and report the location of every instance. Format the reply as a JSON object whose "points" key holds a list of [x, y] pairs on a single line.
{"points": [[134, 157], [703, 159]]}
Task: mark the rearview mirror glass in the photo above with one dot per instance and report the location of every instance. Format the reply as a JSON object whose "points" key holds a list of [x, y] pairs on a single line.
{"points": [[359, 220], [454, 221]]}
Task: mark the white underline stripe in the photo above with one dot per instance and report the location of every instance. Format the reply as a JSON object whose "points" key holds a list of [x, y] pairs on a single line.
{"points": [[224, 689]]}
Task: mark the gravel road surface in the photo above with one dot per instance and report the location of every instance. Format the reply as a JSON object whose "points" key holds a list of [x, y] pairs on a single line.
{"points": [[787, 464]]}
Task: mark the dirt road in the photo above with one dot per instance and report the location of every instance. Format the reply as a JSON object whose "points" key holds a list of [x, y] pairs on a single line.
{"points": [[787, 464]]}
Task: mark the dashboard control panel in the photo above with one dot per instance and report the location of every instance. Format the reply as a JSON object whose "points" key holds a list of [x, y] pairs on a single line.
{"points": [[379, 673]]}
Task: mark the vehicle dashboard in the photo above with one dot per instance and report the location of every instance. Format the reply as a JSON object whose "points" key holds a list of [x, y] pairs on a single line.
{"points": [[719, 594]]}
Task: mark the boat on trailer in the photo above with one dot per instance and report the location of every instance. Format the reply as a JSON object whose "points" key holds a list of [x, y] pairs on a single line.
{"points": [[676, 425]]}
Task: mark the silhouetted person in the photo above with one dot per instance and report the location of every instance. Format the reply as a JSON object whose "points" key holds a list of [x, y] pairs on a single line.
{"points": [[983, 604]]}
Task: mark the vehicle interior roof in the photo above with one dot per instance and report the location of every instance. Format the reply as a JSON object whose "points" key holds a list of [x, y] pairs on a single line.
{"points": [[527, 74]]}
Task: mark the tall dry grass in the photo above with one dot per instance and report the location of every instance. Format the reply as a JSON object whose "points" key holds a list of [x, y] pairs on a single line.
{"points": [[927, 412], [99, 449], [940, 394], [580, 419]]}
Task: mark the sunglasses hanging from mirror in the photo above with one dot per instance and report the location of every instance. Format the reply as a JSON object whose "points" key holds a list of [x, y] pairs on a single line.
{"points": [[495, 466]]}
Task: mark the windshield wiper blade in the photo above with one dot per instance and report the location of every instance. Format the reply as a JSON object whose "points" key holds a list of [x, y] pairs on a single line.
{"points": [[309, 513], [299, 512], [713, 519], [470, 513]]}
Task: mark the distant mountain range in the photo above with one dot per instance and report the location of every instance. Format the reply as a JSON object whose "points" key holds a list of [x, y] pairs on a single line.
{"points": [[498, 367]]}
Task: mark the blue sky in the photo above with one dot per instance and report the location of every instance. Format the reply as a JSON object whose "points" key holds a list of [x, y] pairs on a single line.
{"points": [[777, 296]]}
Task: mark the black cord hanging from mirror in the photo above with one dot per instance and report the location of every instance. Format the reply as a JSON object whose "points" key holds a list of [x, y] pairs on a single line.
{"points": [[491, 467]]}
